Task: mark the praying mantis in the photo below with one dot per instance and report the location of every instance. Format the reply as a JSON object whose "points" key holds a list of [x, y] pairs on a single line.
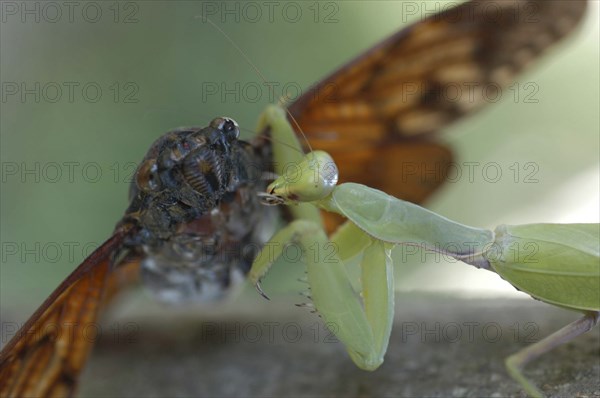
{"points": [[562, 266]]}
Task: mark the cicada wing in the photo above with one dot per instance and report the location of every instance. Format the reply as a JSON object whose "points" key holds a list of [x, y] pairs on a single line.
{"points": [[423, 78], [47, 354], [412, 170]]}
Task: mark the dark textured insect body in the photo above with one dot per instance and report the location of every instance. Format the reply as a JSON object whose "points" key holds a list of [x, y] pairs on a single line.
{"points": [[194, 225], [194, 213]]}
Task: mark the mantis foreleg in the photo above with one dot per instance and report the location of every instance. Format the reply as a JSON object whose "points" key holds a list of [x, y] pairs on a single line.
{"points": [[555, 263], [364, 331]]}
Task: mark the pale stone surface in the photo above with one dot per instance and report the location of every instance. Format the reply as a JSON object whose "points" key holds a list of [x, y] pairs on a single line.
{"points": [[249, 349]]}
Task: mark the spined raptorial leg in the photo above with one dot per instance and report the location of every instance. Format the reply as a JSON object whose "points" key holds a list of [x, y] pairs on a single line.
{"points": [[363, 325]]}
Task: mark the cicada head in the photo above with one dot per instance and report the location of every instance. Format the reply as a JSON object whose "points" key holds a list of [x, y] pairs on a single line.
{"points": [[194, 201]]}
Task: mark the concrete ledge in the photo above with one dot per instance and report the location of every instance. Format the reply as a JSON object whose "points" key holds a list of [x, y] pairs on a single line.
{"points": [[440, 346]]}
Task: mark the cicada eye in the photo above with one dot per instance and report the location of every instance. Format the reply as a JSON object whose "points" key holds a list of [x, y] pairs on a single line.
{"points": [[147, 176], [231, 129], [228, 126]]}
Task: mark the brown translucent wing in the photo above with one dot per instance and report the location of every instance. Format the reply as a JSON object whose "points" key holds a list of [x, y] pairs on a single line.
{"points": [[376, 113], [46, 356], [410, 170]]}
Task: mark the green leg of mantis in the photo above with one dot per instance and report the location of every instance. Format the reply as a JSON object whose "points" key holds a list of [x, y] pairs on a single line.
{"points": [[364, 331], [516, 362], [364, 326], [555, 263]]}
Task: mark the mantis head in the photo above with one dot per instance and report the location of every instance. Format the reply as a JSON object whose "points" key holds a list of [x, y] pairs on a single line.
{"points": [[312, 179]]}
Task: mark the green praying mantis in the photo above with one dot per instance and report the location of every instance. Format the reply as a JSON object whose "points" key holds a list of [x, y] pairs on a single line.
{"points": [[561, 267]]}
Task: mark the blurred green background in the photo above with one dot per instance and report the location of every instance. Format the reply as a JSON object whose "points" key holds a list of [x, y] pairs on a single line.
{"points": [[152, 61]]}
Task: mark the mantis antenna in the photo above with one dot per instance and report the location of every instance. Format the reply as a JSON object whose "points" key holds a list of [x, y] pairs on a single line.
{"points": [[258, 72], [272, 139]]}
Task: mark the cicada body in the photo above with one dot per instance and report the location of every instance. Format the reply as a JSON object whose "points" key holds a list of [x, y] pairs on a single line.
{"points": [[193, 226], [195, 212]]}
